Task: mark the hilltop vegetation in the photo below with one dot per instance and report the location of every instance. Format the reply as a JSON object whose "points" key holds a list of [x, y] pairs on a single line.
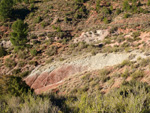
{"points": [[38, 32]]}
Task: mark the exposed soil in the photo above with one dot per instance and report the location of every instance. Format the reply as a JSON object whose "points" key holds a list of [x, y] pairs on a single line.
{"points": [[51, 75]]}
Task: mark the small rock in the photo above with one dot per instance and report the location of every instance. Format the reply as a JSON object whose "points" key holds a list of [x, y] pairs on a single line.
{"points": [[6, 44]]}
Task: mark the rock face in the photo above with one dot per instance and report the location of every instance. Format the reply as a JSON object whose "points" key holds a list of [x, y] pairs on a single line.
{"points": [[90, 37], [43, 81], [47, 77], [5, 44]]}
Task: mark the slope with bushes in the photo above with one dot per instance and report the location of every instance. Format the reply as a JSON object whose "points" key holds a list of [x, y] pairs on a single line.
{"points": [[70, 52]]}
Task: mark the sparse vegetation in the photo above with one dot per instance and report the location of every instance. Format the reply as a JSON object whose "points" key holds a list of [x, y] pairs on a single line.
{"points": [[52, 51], [10, 63], [49, 34]]}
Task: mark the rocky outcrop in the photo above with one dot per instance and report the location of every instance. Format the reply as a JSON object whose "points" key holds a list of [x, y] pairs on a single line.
{"points": [[47, 77], [92, 36]]}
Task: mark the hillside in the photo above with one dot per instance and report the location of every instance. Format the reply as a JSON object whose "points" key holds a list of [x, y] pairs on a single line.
{"points": [[70, 56]]}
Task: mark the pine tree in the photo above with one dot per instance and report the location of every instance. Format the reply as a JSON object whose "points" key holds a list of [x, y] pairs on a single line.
{"points": [[19, 34]]}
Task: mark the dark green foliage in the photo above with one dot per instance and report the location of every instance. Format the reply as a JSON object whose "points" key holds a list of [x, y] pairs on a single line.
{"points": [[134, 8], [33, 36], [10, 63], [35, 63], [38, 19], [81, 12], [105, 20], [126, 6], [33, 52], [105, 11], [58, 29], [126, 15], [118, 11], [2, 52], [148, 3], [139, 3], [25, 1], [98, 5], [16, 97], [24, 74], [6, 8], [16, 1], [19, 34], [16, 71], [16, 86], [81, 1]]}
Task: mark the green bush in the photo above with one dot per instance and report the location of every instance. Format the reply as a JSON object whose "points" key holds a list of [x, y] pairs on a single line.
{"points": [[16, 71], [105, 20], [137, 74], [98, 5], [6, 8], [33, 36], [22, 54], [125, 74], [105, 11], [43, 24], [2, 52], [35, 63], [118, 11], [126, 15], [103, 75], [80, 1], [24, 74], [148, 2], [126, 6], [38, 19], [10, 63], [58, 29], [125, 63], [21, 63], [135, 35], [52, 51], [33, 52], [80, 12]]}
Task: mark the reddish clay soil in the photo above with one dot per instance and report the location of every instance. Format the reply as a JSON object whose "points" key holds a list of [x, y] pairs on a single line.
{"points": [[45, 81]]}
